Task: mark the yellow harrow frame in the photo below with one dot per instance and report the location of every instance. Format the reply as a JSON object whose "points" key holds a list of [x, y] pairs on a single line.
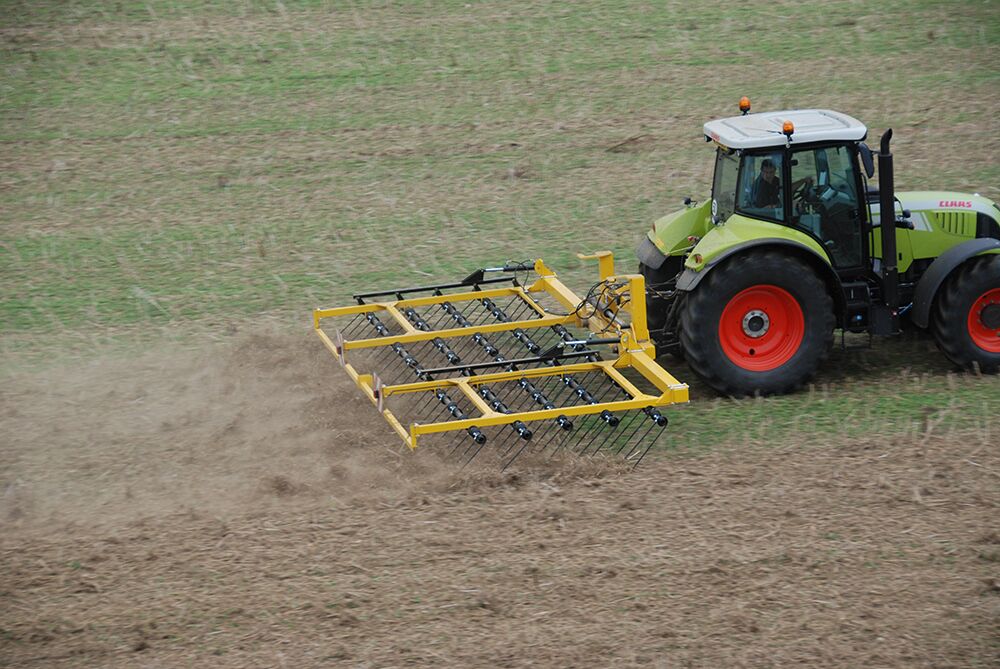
{"points": [[437, 362]]}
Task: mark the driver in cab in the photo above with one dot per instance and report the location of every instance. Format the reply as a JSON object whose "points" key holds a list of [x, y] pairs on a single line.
{"points": [[767, 187]]}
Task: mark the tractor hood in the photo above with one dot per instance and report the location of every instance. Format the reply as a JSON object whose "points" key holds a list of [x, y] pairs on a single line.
{"points": [[670, 233]]}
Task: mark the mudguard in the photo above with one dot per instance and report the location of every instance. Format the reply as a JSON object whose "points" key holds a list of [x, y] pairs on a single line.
{"points": [[689, 279], [649, 255], [939, 270]]}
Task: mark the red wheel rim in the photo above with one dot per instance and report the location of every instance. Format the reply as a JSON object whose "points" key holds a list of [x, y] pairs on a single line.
{"points": [[984, 337], [761, 328]]}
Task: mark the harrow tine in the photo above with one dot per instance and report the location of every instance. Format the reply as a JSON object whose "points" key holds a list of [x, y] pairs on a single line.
{"points": [[644, 451], [519, 451], [478, 447], [565, 443], [635, 444], [354, 326], [453, 359], [458, 441], [649, 443], [656, 420], [425, 404], [562, 436], [633, 427], [508, 442], [470, 446], [616, 433], [522, 337], [611, 430]]}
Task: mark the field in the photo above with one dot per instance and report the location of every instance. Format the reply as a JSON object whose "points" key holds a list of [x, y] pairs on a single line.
{"points": [[188, 479]]}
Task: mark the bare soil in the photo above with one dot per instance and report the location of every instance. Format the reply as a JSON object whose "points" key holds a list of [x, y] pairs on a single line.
{"points": [[244, 506]]}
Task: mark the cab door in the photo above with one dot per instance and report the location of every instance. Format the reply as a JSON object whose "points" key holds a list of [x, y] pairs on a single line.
{"points": [[826, 202]]}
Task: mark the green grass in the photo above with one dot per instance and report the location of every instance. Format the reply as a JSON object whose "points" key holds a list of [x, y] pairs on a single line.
{"points": [[178, 165], [883, 406]]}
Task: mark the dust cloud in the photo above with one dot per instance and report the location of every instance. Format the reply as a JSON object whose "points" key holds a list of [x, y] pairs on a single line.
{"points": [[266, 420]]}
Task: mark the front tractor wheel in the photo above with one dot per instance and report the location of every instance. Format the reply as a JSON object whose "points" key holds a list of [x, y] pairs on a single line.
{"points": [[966, 320], [759, 323]]}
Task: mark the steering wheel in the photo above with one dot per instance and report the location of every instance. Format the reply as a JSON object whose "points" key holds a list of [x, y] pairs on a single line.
{"points": [[805, 193]]}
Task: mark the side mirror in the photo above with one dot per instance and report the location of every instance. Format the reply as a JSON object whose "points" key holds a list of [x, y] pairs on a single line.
{"points": [[866, 159]]}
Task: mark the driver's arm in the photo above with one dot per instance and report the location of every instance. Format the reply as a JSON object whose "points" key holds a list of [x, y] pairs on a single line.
{"points": [[804, 180]]}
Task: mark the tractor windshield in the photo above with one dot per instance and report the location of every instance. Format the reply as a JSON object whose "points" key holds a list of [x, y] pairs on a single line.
{"points": [[727, 168]]}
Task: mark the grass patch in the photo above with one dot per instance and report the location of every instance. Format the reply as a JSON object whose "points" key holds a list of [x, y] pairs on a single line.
{"points": [[192, 167]]}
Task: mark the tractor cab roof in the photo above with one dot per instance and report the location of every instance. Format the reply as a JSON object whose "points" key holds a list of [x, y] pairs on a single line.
{"points": [[754, 131]]}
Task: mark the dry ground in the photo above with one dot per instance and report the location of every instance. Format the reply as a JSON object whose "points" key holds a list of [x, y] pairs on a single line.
{"points": [[244, 507], [187, 168]]}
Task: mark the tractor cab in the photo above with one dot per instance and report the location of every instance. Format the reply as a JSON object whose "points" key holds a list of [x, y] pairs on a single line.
{"points": [[797, 169]]}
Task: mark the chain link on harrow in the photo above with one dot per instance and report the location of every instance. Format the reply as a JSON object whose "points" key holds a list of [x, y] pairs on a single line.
{"points": [[481, 365]]}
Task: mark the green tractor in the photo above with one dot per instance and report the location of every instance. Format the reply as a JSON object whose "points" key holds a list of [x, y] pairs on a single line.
{"points": [[750, 285]]}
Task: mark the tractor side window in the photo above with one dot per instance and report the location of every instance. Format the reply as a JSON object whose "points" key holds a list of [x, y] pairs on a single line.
{"points": [[724, 186], [825, 201], [760, 193]]}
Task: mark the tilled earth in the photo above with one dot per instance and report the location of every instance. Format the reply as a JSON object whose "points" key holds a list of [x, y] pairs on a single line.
{"points": [[244, 508]]}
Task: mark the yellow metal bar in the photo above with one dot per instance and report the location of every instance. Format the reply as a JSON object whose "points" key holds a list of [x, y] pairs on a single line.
{"points": [[620, 379], [542, 270], [539, 309], [333, 349], [421, 335], [459, 297], [543, 414], [554, 287], [364, 382], [637, 306], [319, 314], [497, 377], [659, 377], [605, 262], [398, 427], [472, 296], [596, 322], [484, 408], [402, 320]]}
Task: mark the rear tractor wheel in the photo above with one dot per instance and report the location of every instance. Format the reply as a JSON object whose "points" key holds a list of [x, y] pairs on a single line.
{"points": [[966, 320], [762, 322]]}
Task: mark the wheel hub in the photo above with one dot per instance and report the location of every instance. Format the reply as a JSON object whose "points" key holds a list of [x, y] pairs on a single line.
{"points": [[990, 316], [755, 323]]}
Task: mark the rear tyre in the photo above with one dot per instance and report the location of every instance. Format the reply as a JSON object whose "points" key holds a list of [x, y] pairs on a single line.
{"points": [[966, 321], [760, 323]]}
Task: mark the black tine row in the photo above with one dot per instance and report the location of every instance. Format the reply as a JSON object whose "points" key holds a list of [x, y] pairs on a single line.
{"points": [[631, 442]]}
